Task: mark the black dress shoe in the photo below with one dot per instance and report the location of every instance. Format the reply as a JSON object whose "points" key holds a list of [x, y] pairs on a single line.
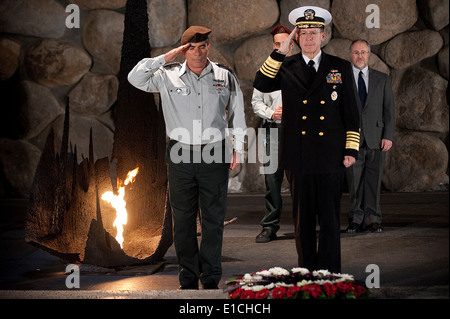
{"points": [[210, 286], [265, 236], [374, 228], [189, 287], [353, 228]]}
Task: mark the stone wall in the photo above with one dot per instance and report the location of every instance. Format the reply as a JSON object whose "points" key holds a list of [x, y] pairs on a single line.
{"points": [[43, 62]]}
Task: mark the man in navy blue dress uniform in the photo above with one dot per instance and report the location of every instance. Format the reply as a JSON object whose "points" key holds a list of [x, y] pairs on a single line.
{"points": [[319, 134]]}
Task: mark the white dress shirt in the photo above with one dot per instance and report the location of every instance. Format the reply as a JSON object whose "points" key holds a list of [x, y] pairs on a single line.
{"points": [[365, 72], [316, 60], [264, 104]]}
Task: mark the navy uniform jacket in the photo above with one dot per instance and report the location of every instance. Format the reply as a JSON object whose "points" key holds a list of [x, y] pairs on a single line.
{"points": [[320, 120]]}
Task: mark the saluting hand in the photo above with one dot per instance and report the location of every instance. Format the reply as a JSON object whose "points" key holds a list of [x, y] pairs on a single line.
{"points": [[172, 54], [288, 43]]}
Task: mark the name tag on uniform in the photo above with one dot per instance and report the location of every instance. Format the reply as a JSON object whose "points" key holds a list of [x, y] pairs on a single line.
{"points": [[334, 77], [181, 90]]}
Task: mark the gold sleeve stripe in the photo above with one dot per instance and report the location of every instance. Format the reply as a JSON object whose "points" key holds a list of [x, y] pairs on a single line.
{"points": [[352, 140], [352, 145], [269, 72], [273, 63], [351, 134], [270, 67]]}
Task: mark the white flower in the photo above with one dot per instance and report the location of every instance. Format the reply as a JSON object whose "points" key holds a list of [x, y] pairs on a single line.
{"points": [[321, 282], [347, 277], [304, 282], [283, 284], [247, 277], [257, 288], [321, 273], [300, 270], [278, 271], [270, 286]]}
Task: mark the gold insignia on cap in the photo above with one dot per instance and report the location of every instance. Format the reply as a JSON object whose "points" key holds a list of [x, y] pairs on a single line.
{"points": [[309, 14], [310, 17]]}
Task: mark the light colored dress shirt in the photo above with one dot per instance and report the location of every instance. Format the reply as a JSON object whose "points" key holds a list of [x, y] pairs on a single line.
{"points": [[197, 109], [316, 60], [264, 104], [365, 72]]}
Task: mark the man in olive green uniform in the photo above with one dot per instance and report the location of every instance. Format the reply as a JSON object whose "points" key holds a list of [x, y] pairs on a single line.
{"points": [[201, 101]]}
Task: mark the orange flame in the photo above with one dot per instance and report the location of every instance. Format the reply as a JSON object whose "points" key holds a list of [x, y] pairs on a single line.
{"points": [[119, 204]]}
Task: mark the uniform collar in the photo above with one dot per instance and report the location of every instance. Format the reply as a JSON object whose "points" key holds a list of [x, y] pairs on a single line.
{"points": [[206, 70], [316, 59]]}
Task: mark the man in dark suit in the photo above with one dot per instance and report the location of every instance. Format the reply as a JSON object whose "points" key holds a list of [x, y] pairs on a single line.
{"points": [[376, 104], [319, 134]]}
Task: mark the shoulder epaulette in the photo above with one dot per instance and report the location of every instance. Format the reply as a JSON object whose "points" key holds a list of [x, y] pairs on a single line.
{"points": [[171, 65], [228, 69]]}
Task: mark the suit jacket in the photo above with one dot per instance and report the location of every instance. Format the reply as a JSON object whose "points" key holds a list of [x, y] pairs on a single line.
{"points": [[320, 120], [378, 114]]}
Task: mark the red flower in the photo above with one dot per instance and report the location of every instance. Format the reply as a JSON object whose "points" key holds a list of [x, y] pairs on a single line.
{"points": [[236, 293], [313, 290], [344, 287], [358, 290], [330, 290], [292, 291], [262, 294], [279, 293], [248, 294]]}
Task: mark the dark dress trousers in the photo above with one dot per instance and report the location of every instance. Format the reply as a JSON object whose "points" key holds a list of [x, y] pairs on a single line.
{"points": [[320, 125], [377, 123]]}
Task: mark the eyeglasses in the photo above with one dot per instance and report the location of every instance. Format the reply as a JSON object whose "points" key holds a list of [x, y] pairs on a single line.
{"points": [[304, 34], [363, 53]]}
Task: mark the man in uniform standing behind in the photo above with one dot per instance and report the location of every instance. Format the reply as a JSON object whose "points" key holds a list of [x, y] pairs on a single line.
{"points": [[269, 107], [200, 101], [319, 134]]}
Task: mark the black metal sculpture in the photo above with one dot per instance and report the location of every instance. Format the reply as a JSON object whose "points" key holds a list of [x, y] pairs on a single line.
{"points": [[66, 215]]}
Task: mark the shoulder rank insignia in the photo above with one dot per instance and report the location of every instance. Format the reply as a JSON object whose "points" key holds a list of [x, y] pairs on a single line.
{"points": [[225, 67], [228, 69]]}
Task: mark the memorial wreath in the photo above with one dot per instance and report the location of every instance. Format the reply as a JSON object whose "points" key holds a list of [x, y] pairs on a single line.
{"points": [[298, 283]]}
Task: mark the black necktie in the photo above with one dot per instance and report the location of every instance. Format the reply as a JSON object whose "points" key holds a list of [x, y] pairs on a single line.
{"points": [[312, 69], [362, 89]]}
